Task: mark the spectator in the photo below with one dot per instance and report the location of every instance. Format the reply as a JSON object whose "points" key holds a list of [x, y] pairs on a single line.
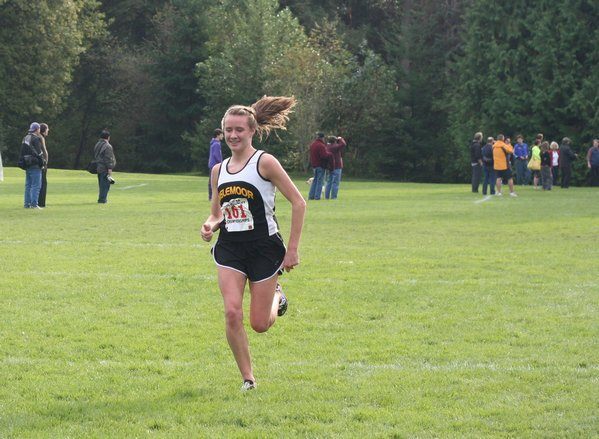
{"points": [[510, 157], [215, 157], [476, 160], [593, 162], [501, 151], [319, 157], [521, 156], [566, 157], [554, 147], [546, 177], [44, 131], [104, 157], [31, 156], [489, 173], [335, 148], [535, 164]]}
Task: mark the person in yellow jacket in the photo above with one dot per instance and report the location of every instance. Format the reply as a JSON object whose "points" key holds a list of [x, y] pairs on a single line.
{"points": [[502, 168]]}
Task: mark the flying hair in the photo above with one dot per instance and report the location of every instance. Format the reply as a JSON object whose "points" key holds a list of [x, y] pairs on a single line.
{"points": [[267, 114]]}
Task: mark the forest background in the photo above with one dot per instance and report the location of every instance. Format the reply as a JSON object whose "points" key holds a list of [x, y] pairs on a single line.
{"points": [[406, 82]]}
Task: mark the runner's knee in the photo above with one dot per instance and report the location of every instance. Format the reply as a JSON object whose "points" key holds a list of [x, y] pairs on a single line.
{"points": [[234, 317], [260, 325]]}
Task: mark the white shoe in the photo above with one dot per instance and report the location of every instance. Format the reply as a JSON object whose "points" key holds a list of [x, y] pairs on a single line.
{"points": [[513, 194], [498, 194], [248, 385]]}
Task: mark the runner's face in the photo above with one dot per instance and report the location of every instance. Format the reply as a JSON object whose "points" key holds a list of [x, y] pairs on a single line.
{"points": [[238, 134]]}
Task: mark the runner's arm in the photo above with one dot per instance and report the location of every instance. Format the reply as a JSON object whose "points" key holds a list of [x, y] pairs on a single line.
{"points": [[213, 221], [271, 169]]}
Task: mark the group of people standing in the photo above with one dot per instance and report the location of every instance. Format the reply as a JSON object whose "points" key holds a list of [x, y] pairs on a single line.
{"points": [[326, 159], [33, 158], [497, 160]]}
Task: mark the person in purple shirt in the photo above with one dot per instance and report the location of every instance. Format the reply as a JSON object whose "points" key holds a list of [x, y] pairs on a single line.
{"points": [[521, 155], [216, 156]]}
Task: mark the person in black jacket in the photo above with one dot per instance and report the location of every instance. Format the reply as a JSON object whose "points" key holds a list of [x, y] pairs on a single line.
{"points": [[476, 160], [44, 131], [566, 157], [489, 173], [31, 155]]}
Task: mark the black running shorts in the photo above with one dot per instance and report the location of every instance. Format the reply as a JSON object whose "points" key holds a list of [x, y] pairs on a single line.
{"points": [[504, 173], [258, 260]]}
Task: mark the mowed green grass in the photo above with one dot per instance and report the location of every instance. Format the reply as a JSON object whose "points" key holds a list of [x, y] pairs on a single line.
{"points": [[416, 312]]}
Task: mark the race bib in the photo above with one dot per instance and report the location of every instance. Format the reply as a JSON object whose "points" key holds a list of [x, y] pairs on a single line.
{"points": [[238, 217]]}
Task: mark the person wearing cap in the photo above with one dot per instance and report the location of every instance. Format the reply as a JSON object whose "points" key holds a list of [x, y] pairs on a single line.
{"points": [[104, 157], [32, 146], [319, 158], [215, 157]]}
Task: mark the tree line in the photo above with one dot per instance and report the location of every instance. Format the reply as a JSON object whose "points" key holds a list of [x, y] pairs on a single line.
{"points": [[406, 82]]}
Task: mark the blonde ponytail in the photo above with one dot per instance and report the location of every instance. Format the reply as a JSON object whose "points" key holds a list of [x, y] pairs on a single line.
{"points": [[267, 114]]}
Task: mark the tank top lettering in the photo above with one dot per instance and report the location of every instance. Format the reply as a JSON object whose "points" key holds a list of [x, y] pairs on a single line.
{"points": [[247, 201]]}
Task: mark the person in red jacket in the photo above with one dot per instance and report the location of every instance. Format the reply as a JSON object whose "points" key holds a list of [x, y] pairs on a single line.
{"points": [[335, 147], [319, 158]]}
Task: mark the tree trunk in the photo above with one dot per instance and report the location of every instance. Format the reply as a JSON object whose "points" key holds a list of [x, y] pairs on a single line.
{"points": [[82, 139]]}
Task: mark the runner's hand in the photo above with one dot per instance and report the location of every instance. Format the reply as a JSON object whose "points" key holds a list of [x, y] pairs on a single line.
{"points": [[291, 260], [206, 232]]}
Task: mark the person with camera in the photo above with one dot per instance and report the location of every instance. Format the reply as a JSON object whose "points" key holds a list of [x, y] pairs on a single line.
{"points": [[31, 159], [104, 157], [335, 147]]}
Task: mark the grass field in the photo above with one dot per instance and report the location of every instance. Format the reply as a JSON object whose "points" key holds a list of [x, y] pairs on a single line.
{"points": [[416, 312]]}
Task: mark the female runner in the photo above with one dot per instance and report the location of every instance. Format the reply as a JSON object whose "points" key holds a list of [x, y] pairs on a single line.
{"points": [[249, 247]]}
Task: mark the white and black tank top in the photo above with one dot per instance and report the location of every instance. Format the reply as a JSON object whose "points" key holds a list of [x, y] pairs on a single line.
{"points": [[247, 201]]}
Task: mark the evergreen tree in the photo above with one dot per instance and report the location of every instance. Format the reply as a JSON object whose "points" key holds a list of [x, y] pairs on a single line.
{"points": [[177, 44], [41, 44]]}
